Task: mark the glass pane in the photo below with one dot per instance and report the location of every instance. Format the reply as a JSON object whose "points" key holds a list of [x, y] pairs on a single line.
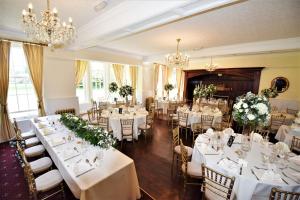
{"points": [[32, 100], [23, 102], [12, 103]]}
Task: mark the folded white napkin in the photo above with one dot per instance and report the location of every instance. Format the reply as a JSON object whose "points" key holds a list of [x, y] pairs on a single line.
{"points": [[282, 146], [210, 132], [69, 153], [270, 177], [229, 166], [228, 131], [41, 125], [57, 141], [295, 160], [46, 131], [81, 167], [256, 137]]}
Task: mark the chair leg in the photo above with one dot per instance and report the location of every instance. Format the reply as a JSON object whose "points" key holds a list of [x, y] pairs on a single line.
{"points": [[62, 191], [172, 167], [186, 130]]}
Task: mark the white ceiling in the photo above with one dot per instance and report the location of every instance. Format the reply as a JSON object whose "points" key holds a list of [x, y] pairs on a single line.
{"points": [[150, 27]]}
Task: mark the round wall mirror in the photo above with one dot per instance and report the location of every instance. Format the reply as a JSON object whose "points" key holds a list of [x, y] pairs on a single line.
{"points": [[280, 83]]}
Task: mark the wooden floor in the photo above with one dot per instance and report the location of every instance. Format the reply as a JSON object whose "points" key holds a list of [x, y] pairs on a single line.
{"points": [[153, 159]]}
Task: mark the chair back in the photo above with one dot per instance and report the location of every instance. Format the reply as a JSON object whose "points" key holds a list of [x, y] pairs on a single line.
{"points": [[276, 121], [291, 111], [15, 125], [183, 118], [184, 156], [263, 132], [29, 177], [175, 137], [206, 121], [103, 122], [127, 127], [91, 116], [216, 185], [66, 110], [222, 106], [18, 135], [295, 144], [278, 194]]}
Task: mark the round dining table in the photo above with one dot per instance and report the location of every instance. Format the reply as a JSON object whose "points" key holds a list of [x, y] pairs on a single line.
{"points": [[254, 176]]}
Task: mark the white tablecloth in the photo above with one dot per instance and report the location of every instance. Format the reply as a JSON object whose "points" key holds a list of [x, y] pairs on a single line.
{"points": [[246, 186], [114, 178], [285, 133], [164, 105], [115, 123]]}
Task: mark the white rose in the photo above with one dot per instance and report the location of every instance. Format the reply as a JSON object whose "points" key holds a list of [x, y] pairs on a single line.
{"points": [[262, 108], [245, 105], [250, 117], [246, 110]]}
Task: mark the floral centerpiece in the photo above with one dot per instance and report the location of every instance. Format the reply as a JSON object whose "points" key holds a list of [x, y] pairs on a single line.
{"points": [[168, 88], [269, 92], [252, 110], [126, 91], [113, 87], [205, 91], [282, 148], [96, 136]]}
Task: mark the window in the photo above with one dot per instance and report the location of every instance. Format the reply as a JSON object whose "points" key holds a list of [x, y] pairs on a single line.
{"points": [[161, 88], [21, 94]]}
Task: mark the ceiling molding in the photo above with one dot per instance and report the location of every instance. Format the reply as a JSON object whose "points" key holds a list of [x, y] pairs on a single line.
{"points": [[270, 46]]}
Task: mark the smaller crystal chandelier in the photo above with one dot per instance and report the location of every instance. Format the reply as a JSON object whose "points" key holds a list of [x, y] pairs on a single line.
{"points": [[177, 59], [49, 29], [211, 67]]}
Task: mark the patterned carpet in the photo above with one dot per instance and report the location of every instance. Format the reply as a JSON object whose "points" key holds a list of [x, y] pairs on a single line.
{"points": [[12, 183]]}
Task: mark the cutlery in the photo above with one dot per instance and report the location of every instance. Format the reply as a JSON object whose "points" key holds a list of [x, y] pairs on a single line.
{"points": [[78, 160], [284, 174], [252, 171], [284, 181], [71, 157], [241, 170], [211, 154], [87, 161], [95, 159], [76, 149], [294, 169], [232, 160], [219, 161], [84, 172], [260, 168]]}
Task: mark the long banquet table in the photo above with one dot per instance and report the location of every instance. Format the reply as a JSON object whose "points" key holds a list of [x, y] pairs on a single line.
{"points": [[246, 186], [111, 176]]}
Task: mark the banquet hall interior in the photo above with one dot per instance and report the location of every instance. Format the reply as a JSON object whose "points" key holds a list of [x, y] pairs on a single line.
{"points": [[149, 99]]}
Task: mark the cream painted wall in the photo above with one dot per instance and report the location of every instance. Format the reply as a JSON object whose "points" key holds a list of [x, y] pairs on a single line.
{"points": [[276, 64]]}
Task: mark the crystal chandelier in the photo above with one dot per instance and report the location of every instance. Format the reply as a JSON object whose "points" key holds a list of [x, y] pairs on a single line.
{"points": [[177, 59], [211, 67], [49, 29]]}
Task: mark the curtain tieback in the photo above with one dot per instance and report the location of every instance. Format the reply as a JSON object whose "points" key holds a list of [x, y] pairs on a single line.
{"points": [[4, 108], [40, 101]]}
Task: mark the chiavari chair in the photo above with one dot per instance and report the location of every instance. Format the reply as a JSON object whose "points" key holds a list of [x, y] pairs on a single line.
{"points": [[37, 166], [216, 186], [92, 119], [190, 170], [276, 122], [171, 112], [157, 110], [40, 187], [222, 106], [127, 130], [94, 109], [67, 110], [291, 111], [176, 149], [263, 132], [278, 194], [146, 128], [34, 151], [28, 142], [103, 122], [183, 122], [206, 122], [25, 135], [295, 144], [196, 130]]}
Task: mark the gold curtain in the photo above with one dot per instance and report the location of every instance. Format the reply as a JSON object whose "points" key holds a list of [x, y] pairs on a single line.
{"points": [[164, 78], [155, 77], [34, 55], [118, 71], [169, 74], [178, 81], [133, 76], [7, 132], [80, 69]]}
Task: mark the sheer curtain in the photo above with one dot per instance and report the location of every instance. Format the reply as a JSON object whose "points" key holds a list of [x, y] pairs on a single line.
{"points": [[7, 131], [34, 55], [118, 71], [155, 77], [178, 82], [133, 75], [80, 69]]}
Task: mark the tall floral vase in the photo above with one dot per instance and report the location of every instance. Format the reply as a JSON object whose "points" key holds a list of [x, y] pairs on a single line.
{"points": [[127, 101]]}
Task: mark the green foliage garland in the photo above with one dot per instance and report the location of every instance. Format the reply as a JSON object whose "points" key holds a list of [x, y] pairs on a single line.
{"points": [[96, 136]]}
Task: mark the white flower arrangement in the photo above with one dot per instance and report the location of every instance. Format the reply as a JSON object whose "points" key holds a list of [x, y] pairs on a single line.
{"points": [[204, 90], [126, 91], [251, 109], [282, 147], [113, 87]]}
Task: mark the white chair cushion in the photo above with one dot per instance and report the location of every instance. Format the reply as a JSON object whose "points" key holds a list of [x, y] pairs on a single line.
{"points": [[41, 164], [48, 181], [144, 126], [183, 124], [34, 151], [193, 169], [28, 134], [189, 150], [32, 141]]}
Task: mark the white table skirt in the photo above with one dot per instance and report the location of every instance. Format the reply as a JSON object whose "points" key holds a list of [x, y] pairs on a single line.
{"points": [[115, 124], [114, 178], [285, 134], [164, 105], [246, 186]]}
